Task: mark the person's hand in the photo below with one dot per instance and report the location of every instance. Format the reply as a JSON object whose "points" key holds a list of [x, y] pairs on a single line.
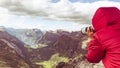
{"points": [[90, 32]]}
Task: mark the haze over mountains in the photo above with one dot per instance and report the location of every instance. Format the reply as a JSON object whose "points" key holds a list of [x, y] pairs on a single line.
{"points": [[28, 36]]}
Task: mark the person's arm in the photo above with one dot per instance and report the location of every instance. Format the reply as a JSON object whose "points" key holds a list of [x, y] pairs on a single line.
{"points": [[95, 51]]}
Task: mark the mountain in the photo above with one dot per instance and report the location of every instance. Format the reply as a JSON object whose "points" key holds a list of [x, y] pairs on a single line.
{"points": [[62, 42], [28, 36], [66, 44], [13, 53], [55, 49], [69, 45], [49, 38]]}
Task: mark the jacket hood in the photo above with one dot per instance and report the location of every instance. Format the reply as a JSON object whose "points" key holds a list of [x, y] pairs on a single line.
{"points": [[105, 16]]}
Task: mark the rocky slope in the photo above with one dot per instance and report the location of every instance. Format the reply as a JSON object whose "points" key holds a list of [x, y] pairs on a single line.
{"points": [[10, 58], [13, 54]]}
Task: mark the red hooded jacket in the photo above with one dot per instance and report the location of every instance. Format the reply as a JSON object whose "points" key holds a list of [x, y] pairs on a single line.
{"points": [[106, 43]]}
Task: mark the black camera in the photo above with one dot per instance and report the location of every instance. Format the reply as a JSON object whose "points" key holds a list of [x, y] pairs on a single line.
{"points": [[84, 30]]}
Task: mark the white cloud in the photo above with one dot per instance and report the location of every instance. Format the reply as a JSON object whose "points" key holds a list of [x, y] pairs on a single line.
{"points": [[19, 22], [63, 10]]}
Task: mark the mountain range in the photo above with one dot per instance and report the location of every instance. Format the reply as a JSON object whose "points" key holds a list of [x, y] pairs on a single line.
{"points": [[28, 36], [52, 49]]}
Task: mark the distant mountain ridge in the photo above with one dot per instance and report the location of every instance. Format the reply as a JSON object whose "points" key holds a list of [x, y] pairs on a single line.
{"points": [[28, 36]]}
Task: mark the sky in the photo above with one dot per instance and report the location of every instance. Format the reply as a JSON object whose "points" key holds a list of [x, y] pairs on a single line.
{"points": [[85, 1], [70, 15]]}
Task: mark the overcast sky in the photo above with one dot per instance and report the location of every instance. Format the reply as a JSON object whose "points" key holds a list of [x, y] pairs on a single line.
{"points": [[50, 14]]}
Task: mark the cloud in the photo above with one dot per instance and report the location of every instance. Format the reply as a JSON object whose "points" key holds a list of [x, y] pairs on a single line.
{"points": [[62, 10], [21, 22]]}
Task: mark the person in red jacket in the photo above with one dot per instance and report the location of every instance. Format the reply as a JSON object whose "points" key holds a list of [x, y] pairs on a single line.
{"points": [[105, 41]]}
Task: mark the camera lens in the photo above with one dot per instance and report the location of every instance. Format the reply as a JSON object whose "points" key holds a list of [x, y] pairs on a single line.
{"points": [[84, 30]]}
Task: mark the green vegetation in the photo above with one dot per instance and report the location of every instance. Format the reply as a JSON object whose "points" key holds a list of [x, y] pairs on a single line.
{"points": [[54, 60]]}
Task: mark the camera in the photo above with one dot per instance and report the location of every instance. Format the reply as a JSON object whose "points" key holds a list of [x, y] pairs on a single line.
{"points": [[84, 30]]}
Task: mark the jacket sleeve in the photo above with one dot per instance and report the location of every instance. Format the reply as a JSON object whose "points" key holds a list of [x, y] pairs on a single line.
{"points": [[95, 51]]}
